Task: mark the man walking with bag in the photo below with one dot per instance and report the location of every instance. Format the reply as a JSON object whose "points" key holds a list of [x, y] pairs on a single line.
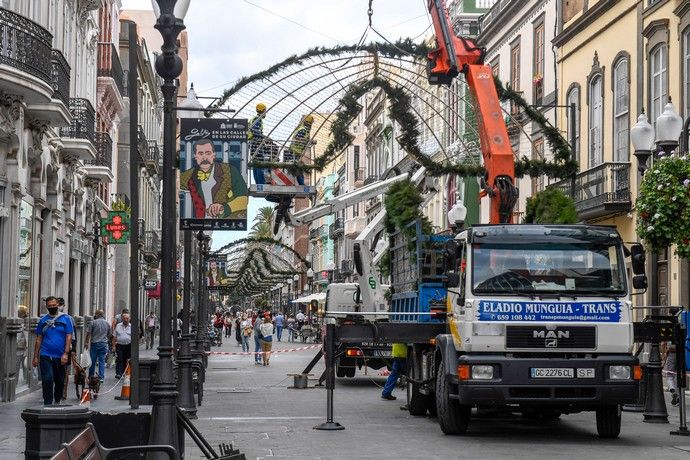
{"points": [[151, 325], [122, 342], [52, 350], [96, 342]]}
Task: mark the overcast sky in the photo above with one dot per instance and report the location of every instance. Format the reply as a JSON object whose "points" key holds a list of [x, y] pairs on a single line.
{"points": [[229, 39]]}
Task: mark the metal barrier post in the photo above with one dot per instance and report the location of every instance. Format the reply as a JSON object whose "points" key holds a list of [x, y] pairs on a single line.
{"points": [[330, 425]]}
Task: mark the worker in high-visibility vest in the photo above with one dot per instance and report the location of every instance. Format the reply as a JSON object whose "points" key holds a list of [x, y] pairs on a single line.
{"points": [[398, 367], [298, 143], [255, 136]]}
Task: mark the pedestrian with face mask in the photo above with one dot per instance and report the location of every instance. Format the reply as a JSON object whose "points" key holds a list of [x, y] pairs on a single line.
{"points": [[52, 350]]}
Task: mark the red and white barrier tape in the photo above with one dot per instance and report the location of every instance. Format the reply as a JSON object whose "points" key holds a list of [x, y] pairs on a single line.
{"points": [[248, 353]]}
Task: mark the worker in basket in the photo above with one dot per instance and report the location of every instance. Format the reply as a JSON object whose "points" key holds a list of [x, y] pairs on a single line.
{"points": [[257, 143], [298, 143]]}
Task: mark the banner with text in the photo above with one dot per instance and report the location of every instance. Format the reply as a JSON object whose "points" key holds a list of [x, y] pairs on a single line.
{"points": [[213, 154], [508, 310]]}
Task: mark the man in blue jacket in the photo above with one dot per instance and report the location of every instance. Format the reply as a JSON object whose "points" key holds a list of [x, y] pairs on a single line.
{"points": [[52, 350]]}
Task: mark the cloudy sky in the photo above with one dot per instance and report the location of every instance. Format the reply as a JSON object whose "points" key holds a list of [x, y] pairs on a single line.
{"points": [[229, 39]]}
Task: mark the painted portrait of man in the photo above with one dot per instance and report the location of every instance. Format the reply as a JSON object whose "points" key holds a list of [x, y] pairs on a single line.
{"points": [[217, 190], [216, 274]]}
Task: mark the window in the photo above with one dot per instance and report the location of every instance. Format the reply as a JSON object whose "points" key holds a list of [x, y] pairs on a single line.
{"points": [[537, 154], [658, 73], [573, 97], [686, 73], [515, 71], [495, 66], [621, 110], [596, 104], [538, 63]]}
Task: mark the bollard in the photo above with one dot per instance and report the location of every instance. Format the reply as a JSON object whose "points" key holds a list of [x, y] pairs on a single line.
{"points": [[655, 404], [48, 427], [330, 425]]}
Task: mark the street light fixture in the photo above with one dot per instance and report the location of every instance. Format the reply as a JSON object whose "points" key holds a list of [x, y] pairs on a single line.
{"points": [[668, 127], [457, 215], [642, 138], [170, 22]]}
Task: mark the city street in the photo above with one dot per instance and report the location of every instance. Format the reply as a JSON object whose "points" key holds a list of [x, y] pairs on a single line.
{"points": [[253, 408]]}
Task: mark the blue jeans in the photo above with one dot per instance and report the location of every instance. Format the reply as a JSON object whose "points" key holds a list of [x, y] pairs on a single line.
{"points": [[98, 352], [245, 343], [397, 368], [53, 379], [279, 332], [257, 348]]}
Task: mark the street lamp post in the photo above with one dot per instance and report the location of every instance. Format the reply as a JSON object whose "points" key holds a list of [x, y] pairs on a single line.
{"points": [[170, 22]]}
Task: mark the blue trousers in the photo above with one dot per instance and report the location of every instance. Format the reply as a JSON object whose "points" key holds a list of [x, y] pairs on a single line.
{"points": [[279, 332], [257, 348], [53, 379], [98, 352], [397, 368], [245, 343]]}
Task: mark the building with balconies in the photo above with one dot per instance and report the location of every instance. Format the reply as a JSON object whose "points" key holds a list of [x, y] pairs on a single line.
{"points": [[48, 210]]}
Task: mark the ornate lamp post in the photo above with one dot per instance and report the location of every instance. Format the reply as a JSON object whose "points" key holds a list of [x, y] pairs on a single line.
{"points": [[642, 138], [170, 22]]}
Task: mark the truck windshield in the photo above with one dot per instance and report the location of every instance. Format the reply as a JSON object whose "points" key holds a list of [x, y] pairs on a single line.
{"points": [[570, 269]]}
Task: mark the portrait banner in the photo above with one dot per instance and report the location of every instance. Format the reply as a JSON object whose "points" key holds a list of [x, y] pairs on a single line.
{"points": [[213, 167], [216, 275]]}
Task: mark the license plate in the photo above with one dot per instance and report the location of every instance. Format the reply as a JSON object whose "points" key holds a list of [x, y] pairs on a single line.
{"points": [[552, 373], [585, 373]]}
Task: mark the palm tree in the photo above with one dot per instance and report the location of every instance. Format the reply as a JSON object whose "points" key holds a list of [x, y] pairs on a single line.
{"points": [[261, 228]]}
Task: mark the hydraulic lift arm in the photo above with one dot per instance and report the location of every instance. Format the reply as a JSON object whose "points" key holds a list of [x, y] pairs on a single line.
{"points": [[460, 55]]}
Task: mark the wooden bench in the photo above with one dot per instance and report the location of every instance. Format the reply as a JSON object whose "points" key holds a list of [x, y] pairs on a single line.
{"points": [[87, 446]]}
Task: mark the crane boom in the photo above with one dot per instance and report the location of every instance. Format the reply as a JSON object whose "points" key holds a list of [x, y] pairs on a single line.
{"points": [[460, 55]]}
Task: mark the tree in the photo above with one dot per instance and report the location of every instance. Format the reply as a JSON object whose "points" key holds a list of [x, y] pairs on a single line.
{"points": [[261, 228], [551, 206]]}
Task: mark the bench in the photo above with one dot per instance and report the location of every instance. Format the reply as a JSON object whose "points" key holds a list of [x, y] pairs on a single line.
{"points": [[86, 445]]}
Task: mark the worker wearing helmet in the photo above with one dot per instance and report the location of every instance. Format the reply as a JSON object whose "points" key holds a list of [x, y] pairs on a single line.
{"points": [[255, 136], [299, 142]]}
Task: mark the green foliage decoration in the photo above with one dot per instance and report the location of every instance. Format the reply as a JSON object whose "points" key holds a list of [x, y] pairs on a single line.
{"points": [[550, 206], [663, 205]]}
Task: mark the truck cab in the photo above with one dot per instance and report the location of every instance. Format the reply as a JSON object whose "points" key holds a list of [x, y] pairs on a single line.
{"points": [[539, 320]]}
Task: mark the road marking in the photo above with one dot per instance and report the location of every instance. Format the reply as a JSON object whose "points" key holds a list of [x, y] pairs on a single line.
{"points": [[248, 419]]}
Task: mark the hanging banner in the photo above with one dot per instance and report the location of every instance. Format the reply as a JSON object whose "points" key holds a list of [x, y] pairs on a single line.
{"points": [[115, 227], [213, 163], [216, 275]]}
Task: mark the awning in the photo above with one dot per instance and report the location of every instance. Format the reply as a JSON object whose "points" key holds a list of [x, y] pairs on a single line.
{"points": [[320, 296]]}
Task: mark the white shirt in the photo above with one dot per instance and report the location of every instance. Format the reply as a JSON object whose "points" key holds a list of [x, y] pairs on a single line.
{"points": [[207, 188], [300, 316], [123, 336], [266, 329]]}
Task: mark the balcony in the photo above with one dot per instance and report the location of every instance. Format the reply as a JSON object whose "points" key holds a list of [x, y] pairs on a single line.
{"points": [[313, 233], [347, 267], [100, 169], [151, 247], [337, 228], [55, 111], [323, 231], [25, 58], [373, 204], [153, 158], [370, 179], [359, 177], [354, 226], [110, 68], [601, 192], [79, 137]]}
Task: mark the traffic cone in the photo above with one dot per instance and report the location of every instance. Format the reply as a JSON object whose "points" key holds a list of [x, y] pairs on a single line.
{"points": [[124, 393], [85, 398]]}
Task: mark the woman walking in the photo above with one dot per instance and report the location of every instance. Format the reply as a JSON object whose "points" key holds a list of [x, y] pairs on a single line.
{"points": [[246, 328], [238, 330], [266, 337]]}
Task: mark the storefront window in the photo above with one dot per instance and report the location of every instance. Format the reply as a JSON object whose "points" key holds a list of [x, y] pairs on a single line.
{"points": [[26, 211]]}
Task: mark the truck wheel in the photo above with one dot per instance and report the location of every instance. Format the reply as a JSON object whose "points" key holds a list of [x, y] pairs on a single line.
{"points": [[452, 416], [609, 421]]}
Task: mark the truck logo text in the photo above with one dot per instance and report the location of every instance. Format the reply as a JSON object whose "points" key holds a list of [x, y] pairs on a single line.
{"points": [[551, 334]]}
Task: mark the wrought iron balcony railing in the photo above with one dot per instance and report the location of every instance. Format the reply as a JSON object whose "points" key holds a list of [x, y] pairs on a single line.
{"points": [[109, 65], [359, 174], [104, 151], [313, 233], [60, 76], [25, 45], [83, 124], [142, 145], [151, 244], [601, 191], [153, 157], [337, 228]]}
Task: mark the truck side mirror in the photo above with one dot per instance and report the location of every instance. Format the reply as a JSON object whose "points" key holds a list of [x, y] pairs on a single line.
{"points": [[640, 281], [450, 254], [453, 279], [638, 259]]}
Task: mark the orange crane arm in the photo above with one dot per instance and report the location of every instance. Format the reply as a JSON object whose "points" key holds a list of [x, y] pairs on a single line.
{"points": [[460, 55]]}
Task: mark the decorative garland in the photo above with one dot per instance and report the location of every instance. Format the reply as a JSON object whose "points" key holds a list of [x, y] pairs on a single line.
{"points": [[663, 205], [550, 206], [399, 49], [263, 241]]}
